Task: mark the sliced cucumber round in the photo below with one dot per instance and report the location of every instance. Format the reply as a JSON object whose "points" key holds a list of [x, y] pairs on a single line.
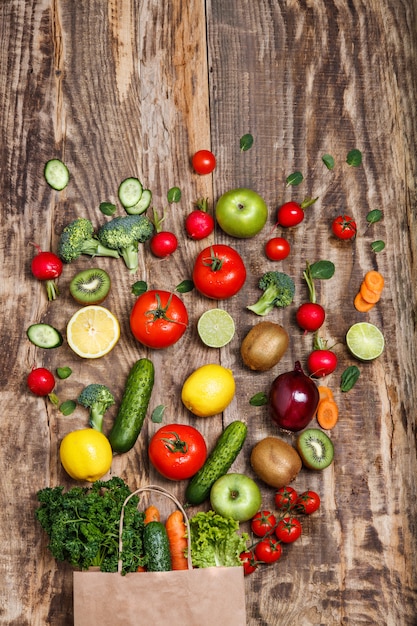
{"points": [[56, 174], [142, 205], [130, 192], [44, 336]]}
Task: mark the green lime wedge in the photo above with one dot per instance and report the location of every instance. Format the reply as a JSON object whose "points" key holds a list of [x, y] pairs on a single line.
{"points": [[216, 328], [365, 341]]}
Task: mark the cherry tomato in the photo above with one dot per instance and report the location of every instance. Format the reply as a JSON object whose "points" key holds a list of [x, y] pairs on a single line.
{"points": [[277, 249], [268, 550], [177, 451], [307, 502], [310, 316], [199, 224], [41, 381], [263, 523], [321, 363], [163, 244], [290, 214], [219, 272], [203, 162], [250, 564], [158, 319], [344, 227], [288, 530], [285, 498]]}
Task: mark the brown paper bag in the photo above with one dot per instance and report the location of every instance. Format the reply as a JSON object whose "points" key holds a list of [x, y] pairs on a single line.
{"points": [[212, 596]]}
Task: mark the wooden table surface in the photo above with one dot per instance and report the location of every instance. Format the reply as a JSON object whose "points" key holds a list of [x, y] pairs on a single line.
{"points": [[134, 88]]}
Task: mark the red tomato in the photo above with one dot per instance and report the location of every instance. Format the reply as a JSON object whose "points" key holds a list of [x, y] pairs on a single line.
{"points": [[219, 272], [344, 227], [163, 244], [262, 523], [321, 363], [177, 451], [290, 214], [158, 319], [277, 249], [203, 162], [250, 564], [310, 316], [268, 550], [285, 498], [307, 502], [41, 381], [288, 530]]}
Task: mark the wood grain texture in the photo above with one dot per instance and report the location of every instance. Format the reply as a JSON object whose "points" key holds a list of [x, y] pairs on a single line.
{"points": [[134, 87]]}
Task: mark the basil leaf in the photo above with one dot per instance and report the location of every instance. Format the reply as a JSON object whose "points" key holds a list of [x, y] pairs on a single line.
{"points": [[378, 246], [63, 372], [374, 216], [174, 194], [328, 161], [294, 179], [158, 414], [107, 208], [349, 378], [259, 399], [67, 407], [185, 286], [354, 158], [139, 287], [246, 142], [322, 270]]}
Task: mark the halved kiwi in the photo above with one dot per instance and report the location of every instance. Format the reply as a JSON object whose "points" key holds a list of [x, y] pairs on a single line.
{"points": [[90, 286], [315, 448]]}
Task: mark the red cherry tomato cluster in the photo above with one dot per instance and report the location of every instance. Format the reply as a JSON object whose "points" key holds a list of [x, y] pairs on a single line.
{"points": [[274, 529]]}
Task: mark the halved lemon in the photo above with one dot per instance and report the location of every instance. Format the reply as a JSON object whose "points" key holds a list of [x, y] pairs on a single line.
{"points": [[92, 332], [365, 341], [216, 328]]}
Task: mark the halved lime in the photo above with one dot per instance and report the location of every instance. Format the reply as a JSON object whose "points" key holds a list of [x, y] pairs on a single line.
{"points": [[365, 341], [216, 328]]}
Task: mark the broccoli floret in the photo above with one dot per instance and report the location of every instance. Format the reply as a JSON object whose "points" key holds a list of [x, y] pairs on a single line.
{"points": [[124, 234], [78, 238], [97, 398], [278, 291]]}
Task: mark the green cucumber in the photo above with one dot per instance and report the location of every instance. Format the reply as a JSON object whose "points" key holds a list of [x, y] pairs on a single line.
{"points": [[156, 547], [130, 192], [44, 336], [133, 407], [56, 174], [218, 462], [142, 205]]}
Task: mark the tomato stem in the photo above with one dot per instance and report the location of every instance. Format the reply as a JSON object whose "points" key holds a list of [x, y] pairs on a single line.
{"points": [[213, 261], [160, 312], [176, 445]]}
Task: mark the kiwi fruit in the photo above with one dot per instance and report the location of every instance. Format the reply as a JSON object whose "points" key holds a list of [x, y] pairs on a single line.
{"points": [[90, 286], [264, 346], [275, 461], [315, 448]]}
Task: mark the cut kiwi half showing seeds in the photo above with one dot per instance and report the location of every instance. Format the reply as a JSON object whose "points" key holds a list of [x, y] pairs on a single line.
{"points": [[90, 286], [315, 448]]}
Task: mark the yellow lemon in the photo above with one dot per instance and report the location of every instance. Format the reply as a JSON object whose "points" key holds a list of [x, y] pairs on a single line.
{"points": [[86, 454], [208, 390], [93, 331]]}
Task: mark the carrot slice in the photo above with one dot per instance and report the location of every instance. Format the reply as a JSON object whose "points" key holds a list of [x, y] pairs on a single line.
{"points": [[177, 537], [327, 414], [325, 392], [369, 295], [152, 514], [361, 305], [374, 280]]}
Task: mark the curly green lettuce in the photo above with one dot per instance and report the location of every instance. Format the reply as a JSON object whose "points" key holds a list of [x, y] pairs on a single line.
{"points": [[215, 540]]}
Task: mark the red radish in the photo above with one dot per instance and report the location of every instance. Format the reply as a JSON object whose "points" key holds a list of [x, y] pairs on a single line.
{"points": [[321, 363], [199, 224], [310, 316], [163, 244], [47, 266], [293, 399], [41, 382]]}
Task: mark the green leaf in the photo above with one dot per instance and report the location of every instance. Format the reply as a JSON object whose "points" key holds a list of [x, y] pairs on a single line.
{"points": [[322, 270], [349, 378], [377, 246], [374, 216], [158, 414], [174, 194], [246, 142], [294, 179], [63, 372], [328, 161], [67, 407], [107, 208], [354, 157], [259, 399], [185, 286], [139, 287]]}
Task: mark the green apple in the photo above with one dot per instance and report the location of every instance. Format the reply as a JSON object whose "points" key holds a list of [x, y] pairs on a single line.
{"points": [[241, 213], [236, 496]]}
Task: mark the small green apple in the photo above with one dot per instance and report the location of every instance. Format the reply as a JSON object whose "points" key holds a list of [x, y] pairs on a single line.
{"points": [[236, 496], [241, 213]]}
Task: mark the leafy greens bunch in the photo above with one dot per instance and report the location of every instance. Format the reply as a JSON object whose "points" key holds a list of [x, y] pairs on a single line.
{"points": [[83, 525], [215, 540]]}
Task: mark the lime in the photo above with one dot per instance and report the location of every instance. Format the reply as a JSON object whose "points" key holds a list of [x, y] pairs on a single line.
{"points": [[216, 328], [365, 341]]}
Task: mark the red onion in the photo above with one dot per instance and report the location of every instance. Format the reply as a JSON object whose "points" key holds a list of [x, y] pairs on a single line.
{"points": [[293, 399]]}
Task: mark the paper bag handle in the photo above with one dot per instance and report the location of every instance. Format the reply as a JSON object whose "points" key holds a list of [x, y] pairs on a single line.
{"points": [[164, 492]]}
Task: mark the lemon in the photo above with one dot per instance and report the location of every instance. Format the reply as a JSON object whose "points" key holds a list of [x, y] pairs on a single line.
{"points": [[216, 328], [86, 454], [208, 390], [92, 332], [365, 341]]}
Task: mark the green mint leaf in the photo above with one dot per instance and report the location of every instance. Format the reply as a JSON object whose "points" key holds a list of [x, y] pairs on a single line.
{"points": [[354, 158], [174, 194], [374, 216], [107, 208], [63, 372], [294, 179], [377, 246], [328, 161], [259, 399], [158, 414], [139, 287], [349, 378], [67, 407], [185, 286], [322, 270], [246, 142]]}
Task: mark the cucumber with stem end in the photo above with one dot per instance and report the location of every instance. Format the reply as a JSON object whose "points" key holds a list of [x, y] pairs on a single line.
{"points": [[156, 547]]}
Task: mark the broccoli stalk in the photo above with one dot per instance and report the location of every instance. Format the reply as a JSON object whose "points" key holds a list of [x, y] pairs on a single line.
{"points": [[124, 235], [278, 291], [97, 398], [78, 238]]}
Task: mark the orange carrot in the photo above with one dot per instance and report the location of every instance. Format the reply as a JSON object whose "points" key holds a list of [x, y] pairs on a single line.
{"points": [[327, 413], [176, 531], [152, 514], [361, 305], [374, 280], [141, 568], [325, 392], [369, 295]]}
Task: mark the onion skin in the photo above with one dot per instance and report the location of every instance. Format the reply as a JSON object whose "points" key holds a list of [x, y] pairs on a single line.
{"points": [[293, 399]]}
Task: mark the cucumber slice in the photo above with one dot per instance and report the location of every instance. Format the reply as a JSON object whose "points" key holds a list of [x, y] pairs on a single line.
{"points": [[44, 336], [142, 205], [130, 192], [56, 174]]}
